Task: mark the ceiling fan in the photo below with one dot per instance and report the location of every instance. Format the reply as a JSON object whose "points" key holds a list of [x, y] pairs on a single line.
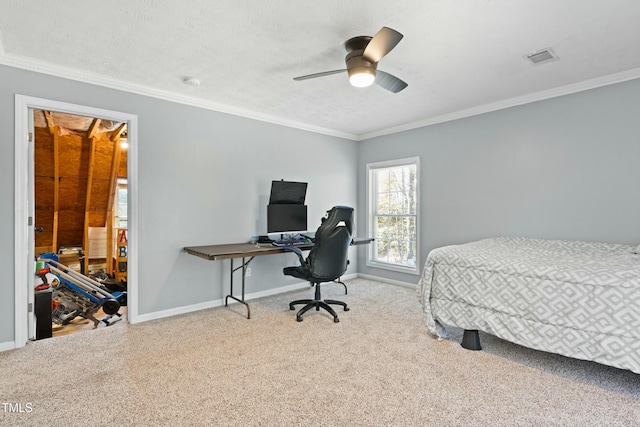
{"points": [[362, 61]]}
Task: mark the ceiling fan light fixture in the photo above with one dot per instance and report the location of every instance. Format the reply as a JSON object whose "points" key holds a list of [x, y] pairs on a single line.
{"points": [[362, 77], [364, 53]]}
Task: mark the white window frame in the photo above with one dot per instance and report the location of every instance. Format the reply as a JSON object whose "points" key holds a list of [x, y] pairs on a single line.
{"points": [[371, 192]]}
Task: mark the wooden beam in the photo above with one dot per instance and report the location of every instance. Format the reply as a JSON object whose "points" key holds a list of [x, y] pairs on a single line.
{"points": [[110, 245], [113, 177], [50, 124], [118, 132], [87, 206], [113, 188], [54, 130], [56, 189], [93, 129]]}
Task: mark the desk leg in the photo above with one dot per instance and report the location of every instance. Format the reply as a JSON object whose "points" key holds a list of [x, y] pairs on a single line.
{"points": [[244, 275]]}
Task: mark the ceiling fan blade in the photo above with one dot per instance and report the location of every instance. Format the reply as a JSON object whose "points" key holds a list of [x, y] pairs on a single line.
{"points": [[324, 73], [381, 44], [389, 82]]}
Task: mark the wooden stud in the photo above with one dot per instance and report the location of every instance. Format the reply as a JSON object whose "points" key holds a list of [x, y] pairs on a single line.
{"points": [[50, 124], [87, 205], [118, 132], [93, 129], [56, 189], [115, 166], [110, 246], [54, 131], [113, 188]]}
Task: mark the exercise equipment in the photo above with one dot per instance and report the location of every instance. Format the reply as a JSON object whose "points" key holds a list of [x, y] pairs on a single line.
{"points": [[79, 295]]}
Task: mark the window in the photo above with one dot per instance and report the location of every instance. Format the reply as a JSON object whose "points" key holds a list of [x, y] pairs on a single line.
{"points": [[393, 214], [121, 207]]}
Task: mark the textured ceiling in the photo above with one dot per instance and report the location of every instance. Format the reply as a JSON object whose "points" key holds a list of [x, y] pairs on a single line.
{"points": [[459, 57]]}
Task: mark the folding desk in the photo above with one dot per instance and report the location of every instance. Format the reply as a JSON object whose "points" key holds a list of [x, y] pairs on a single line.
{"points": [[244, 251]]}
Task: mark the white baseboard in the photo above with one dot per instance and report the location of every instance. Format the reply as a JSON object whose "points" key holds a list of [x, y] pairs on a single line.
{"points": [[276, 291], [219, 302], [9, 345], [390, 281], [179, 310]]}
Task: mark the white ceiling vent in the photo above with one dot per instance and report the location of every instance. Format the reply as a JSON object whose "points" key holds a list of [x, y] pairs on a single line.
{"points": [[541, 56]]}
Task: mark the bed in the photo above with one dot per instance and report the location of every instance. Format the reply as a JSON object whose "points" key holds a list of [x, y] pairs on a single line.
{"points": [[578, 299]]}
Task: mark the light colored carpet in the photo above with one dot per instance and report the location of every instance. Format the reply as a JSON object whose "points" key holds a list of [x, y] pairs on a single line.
{"points": [[377, 367]]}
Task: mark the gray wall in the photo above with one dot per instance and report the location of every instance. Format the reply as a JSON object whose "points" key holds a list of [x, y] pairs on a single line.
{"points": [[204, 178], [563, 168]]}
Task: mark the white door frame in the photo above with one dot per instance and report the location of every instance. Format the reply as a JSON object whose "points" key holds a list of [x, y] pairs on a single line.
{"points": [[24, 246]]}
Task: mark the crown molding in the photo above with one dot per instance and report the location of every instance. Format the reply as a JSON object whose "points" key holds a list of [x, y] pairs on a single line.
{"points": [[610, 79], [43, 67], [101, 80]]}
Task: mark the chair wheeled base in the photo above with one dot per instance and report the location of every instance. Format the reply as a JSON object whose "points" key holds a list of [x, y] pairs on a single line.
{"points": [[318, 303]]}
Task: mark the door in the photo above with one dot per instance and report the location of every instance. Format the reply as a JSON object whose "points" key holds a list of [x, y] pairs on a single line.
{"points": [[24, 202]]}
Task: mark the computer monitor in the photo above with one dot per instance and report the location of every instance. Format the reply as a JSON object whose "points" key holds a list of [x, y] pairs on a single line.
{"points": [[283, 218], [287, 193]]}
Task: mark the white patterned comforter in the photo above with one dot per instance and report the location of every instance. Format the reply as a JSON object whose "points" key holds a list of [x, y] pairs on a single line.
{"points": [[578, 299]]}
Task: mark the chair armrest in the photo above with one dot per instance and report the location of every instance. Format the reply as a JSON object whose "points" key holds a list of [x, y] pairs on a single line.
{"points": [[295, 251]]}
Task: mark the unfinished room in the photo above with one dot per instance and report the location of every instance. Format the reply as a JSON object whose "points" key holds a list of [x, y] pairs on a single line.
{"points": [[80, 194]]}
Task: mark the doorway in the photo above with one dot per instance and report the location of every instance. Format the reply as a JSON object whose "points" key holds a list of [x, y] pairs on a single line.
{"points": [[80, 175], [28, 111]]}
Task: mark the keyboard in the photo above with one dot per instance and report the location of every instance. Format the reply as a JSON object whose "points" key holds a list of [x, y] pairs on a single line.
{"points": [[290, 242]]}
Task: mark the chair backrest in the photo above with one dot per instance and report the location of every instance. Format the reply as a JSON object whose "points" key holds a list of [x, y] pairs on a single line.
{"points": [[327, 259]]}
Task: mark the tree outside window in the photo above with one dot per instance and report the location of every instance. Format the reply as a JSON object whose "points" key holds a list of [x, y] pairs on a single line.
{"points": [[393, 214]]}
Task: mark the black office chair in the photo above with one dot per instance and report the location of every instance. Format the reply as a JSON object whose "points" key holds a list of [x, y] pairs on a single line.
{"points": [[327, 260]]}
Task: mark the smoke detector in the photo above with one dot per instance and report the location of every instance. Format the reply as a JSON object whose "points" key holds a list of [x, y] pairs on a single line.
{"points": [[541, 57]]}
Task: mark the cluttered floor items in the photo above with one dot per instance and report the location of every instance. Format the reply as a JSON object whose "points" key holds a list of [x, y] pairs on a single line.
{"points": [[63, 295]]}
